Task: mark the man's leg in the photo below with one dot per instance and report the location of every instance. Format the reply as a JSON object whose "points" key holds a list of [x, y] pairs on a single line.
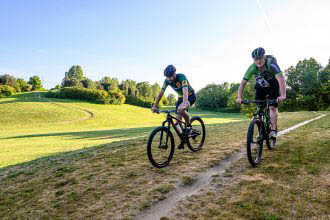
{"points": [[273, 117], [273, 94], [186, 118], [191, 101], [179, 116]]}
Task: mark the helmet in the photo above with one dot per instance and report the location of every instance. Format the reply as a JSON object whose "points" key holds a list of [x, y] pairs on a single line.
{"points": [[259, 52], [169, 71]]}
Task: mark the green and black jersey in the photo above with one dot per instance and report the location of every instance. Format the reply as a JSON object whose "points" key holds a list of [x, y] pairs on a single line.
{"points": [[266, 77], [179, 83]]}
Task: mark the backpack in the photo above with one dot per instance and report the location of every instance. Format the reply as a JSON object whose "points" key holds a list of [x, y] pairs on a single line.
{"points": [[269, 60]]}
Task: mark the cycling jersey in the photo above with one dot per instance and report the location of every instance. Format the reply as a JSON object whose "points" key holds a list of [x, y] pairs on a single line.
{"points": [[266, 82], [267, 77], [179, 83]]}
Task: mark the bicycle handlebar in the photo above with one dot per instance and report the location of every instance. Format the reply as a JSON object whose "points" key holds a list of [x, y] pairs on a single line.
{"points": [[267, 101], [166, 111]]}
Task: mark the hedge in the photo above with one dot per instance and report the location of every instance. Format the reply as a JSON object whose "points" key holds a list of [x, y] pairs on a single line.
{"points": [[138, 101], [94, 95]]}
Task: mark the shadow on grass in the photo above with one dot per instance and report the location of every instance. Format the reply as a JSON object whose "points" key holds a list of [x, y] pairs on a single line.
{"points": [[94, 135], [69, 157]]}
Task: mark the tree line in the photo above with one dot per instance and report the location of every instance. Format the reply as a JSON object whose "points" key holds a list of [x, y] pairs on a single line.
{"points": [[308, 88], [10, 85], [127, 91]]}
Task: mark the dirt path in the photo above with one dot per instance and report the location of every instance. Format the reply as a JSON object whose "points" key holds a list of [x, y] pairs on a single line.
{"points": [[164, 207]]}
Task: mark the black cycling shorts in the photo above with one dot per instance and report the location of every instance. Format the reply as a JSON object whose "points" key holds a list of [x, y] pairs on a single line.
{"points": [[272, 92], [191, 99]]}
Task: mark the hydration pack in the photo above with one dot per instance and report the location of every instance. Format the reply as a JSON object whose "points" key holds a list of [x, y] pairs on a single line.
{"points": [[269, 60]]}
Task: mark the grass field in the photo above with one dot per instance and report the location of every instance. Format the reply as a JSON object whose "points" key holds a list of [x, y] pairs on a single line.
{"points": [[293, 182], [34, 127], [97, 168]]}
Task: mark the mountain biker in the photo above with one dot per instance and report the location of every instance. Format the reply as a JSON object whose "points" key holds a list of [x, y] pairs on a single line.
{"points": [[269, 80], [186, 93]]}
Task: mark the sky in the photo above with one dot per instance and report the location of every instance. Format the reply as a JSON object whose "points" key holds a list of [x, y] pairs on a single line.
{"points": [[209, 41]]}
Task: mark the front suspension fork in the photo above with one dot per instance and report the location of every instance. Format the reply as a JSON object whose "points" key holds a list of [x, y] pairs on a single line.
{"points": [[167, 133]]}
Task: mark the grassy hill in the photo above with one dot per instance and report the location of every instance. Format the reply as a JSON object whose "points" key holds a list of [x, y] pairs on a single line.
{"points": [[33, 126], [96, 165]]}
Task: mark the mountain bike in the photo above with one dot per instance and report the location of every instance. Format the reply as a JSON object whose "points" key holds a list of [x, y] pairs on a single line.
{"points": [[259, 130], [160, 147]]}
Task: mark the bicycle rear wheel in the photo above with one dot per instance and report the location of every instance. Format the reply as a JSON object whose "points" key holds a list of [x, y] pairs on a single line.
{"points": [[254, 142], [159, 153], [197, 137]]}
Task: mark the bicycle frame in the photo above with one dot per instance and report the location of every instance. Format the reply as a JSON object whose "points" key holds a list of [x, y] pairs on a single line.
{"points": [[169, 120], [264, 117]]}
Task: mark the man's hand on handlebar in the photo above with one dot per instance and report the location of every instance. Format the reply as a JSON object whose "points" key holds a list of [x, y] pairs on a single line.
{"points": [[182, 107], [239, 100], [281, 98], [154, 109]]}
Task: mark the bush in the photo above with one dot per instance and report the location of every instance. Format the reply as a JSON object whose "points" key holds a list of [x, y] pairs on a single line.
{"points": [[116, 97], [6, 91], [138, 101], [94, 95]]}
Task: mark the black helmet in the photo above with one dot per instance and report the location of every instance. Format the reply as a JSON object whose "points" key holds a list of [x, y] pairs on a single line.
{"points": [[259, 52], [169, 71]]}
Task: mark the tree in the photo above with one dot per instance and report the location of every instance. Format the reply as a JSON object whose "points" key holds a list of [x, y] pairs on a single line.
{"points": [[155, 90], [75, 72], [144, 90], [128, 87], [35, 82], [88, 83], [73, 77], [213, 96], [22, 85], [58, 86], [109, 83], [324, 91], [304, 83], [171, 99], [325, 74], [7, 80]]}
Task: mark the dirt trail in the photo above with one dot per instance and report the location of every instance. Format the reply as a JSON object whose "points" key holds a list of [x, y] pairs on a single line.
{"points": [[164, 207]]}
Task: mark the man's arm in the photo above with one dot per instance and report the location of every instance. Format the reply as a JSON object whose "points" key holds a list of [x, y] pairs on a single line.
{"points": [[185, 102], [241, 90], [185, 95], [281, 82], [160, 95]]}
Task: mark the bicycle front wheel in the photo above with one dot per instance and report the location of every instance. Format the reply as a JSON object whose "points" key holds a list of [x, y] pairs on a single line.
{"points": [[254, 142], [197, 137], [159, 153], [271, 141]]}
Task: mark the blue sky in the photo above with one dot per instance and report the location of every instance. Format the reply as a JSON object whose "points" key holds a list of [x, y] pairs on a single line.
{"points": [[210, 41]]}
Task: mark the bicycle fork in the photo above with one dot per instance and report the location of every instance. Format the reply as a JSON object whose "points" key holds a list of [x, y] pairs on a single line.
{"points": [[167, 134]]}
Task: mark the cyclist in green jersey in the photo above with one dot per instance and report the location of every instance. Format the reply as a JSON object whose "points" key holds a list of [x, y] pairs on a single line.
{"points": [[269, 82], [187, 97]]}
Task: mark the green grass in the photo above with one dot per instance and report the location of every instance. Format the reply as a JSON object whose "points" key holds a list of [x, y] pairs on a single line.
{"points": [[32, 127], [97, 168], [291, 182]]}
